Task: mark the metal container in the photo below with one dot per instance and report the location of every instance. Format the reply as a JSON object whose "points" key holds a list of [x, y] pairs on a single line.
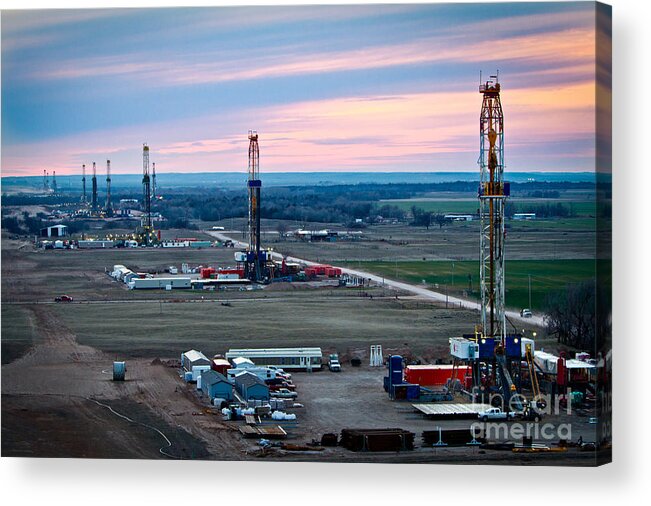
{"points": [[434, 375], [119, 371], [463, 348]]}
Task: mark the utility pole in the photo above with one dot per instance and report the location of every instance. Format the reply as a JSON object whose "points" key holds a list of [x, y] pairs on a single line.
{"points": [[529, 291]]}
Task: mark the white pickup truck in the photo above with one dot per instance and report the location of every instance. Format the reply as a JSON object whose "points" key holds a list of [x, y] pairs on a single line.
{"points": [[495, 414]]}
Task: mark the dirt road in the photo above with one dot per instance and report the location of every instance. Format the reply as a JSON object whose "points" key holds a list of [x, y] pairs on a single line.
{"points": [[416, 290]]}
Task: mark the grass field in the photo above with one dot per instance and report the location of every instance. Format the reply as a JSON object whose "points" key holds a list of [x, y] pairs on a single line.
{"points": [[347, 325], [578, 208], [18, 332], [547, 276]]}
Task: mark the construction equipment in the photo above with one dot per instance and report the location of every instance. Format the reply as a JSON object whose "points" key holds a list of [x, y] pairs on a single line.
{"points": [[538, 400]]}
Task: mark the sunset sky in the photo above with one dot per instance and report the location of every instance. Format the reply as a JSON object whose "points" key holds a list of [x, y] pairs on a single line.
{"points": [[352, 88]]}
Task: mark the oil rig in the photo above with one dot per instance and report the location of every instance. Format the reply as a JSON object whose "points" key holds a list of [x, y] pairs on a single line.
{"points": [[84, 199], [254, 259], [494, 355], [147, 233], [94, 207], [108, 209]]}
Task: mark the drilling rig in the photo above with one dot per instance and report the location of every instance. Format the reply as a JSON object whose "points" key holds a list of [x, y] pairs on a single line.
{"points": [[84, 200], [54, 183], [494, 355], [148, 236], [108, 210], [255, 264], [94, 204]]}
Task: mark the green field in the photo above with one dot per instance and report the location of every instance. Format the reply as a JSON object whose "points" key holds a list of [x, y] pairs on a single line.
{"points": [[457, 277], [578, 207]]}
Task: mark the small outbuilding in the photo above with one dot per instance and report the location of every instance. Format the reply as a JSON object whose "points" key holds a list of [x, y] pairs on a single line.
{"points": [[55, 231], [214, 385], [194, 362], [251, 387]]}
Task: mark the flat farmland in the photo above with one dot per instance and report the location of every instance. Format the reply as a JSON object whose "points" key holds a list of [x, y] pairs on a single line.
{"points": [[347, 324], [462, 277], [536, 240], [470, 205]]}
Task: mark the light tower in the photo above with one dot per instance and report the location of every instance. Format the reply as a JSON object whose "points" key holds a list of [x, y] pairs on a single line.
{"points": [[93, 205], [83, 184], [146, 195], [153, 180], [254, 262], [493, 192], [108, 210]]}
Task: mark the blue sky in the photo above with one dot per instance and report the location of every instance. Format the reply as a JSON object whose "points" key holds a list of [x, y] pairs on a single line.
{"points": [[342, 88]]}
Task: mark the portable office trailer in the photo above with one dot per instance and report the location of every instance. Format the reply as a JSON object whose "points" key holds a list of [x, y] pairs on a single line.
{"points": [[286, 358], [95, 244], [159, 283], [264, 373]]}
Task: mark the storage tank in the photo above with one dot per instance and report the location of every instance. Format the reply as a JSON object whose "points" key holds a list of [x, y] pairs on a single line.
{"points": [[119, 371]]}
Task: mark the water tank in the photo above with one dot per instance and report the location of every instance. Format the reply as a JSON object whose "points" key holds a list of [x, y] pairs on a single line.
{"points": [[119, 370]]}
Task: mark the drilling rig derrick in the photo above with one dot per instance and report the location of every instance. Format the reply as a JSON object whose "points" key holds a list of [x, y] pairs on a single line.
{"points": [[255, 258]]}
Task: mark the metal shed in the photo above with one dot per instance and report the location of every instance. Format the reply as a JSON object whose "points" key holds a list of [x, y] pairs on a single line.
{"points": [[214, 385], [251, 387], [192, 360]]}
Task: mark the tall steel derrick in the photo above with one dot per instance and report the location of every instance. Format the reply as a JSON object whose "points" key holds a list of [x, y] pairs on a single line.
{"points": [[146, 195], [254, 262], [94, 204], [493, 192], [84, 200], [108, 209]]}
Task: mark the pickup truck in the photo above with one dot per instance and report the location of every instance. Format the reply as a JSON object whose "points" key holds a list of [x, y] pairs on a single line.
{"points": [[280, 372], [275, 387], [284, 393], [495, 414], [333, 363]]}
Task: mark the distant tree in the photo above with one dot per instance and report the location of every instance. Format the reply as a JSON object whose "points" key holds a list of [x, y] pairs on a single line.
{"points": [[571, 315], [281, 228], [12, 225], [440, 220], [421, 218]]}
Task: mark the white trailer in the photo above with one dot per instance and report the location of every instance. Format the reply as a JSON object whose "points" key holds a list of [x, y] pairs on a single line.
{"points": [[287, 358], [159, 283], [264, 373]]}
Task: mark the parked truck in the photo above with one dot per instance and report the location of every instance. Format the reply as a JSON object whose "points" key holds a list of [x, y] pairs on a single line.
{"points": [[495, 414], [333, 363]]}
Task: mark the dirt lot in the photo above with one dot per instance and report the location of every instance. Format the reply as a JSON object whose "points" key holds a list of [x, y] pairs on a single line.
{"points": [[58, 398]]}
